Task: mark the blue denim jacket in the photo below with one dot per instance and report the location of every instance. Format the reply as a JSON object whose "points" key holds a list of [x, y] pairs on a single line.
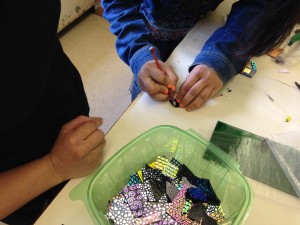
{"points": [[140, 24]]}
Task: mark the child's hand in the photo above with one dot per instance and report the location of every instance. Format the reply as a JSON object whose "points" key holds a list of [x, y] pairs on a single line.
{"points": [[155, 82], [200, 85]]}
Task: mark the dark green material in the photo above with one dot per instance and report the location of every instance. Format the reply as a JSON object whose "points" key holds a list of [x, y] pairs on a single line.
{"points": [[254, 155], [294, 38]]}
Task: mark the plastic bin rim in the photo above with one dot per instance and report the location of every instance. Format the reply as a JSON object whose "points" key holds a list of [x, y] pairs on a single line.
{"points": [[249, 192]]}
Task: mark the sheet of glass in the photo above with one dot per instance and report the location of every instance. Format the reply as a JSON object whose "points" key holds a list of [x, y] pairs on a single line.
{"points": [[253, 154], [287, 154]]}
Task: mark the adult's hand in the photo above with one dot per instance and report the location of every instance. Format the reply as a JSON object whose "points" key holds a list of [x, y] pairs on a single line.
{"points": [[78, 148], [76, 153]]}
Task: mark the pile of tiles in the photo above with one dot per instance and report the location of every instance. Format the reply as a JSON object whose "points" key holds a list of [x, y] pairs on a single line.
{"points": [[165, 192]]}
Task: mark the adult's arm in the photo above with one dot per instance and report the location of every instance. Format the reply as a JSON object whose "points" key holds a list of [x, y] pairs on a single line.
{"points": [[76, 153]]}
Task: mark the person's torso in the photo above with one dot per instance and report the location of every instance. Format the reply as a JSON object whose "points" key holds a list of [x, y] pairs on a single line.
{"points": [[40, 89], [172, 19]]}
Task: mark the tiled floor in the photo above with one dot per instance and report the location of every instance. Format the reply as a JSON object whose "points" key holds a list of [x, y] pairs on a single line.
{"points": [[91, 47]]}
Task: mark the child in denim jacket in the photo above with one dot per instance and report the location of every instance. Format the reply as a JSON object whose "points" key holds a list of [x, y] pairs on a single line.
{"points": [[253, 27]]}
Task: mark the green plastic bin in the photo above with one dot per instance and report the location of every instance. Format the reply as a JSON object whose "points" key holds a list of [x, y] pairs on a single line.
{"points": [[204, 159]]}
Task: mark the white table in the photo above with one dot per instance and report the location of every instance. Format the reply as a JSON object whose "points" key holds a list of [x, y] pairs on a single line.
{"points": [[247, 107]]}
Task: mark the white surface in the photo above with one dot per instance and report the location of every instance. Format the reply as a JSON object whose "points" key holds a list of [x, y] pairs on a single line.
{"points": [[246, 106], [270, 205]]}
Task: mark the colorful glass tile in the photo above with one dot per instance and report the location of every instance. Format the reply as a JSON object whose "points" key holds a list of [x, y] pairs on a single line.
{"points": [[175, 208], [119, 212], [171, 190], [187, 206], [175, 162], [197, 211], [165, 192], [154, 189], [134, 179], [203, 192], [161, 208], [140, 174], [161, 162], [170, 170], [155, 174], [185, 181], [155, 217], [215, 212], [134, 198]]}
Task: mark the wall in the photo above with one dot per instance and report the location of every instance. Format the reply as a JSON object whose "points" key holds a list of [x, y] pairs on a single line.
{"points": [[72, 9]]}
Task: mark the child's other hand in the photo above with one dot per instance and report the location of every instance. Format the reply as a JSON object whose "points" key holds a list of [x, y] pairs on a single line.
{"points": [[199, 86], [155, 82]]}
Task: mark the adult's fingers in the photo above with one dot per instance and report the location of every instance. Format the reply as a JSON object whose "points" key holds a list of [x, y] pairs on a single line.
{"points": [[95, 139], [87, 128], [75, 123]]}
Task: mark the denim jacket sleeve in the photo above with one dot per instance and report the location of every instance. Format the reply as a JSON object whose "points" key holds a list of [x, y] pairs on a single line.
{"points": [[219, 51], [132, 34]]}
